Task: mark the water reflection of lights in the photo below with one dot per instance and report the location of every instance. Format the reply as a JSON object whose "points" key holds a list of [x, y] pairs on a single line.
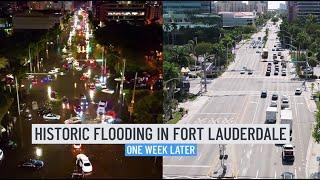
{"points": [[38, 152], [91, 94], [49, 92]]}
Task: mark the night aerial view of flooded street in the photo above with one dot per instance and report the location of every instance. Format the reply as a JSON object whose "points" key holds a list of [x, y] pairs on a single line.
{"points": [[78, 62]]}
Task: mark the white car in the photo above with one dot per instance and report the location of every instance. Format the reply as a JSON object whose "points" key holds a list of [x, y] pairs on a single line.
{"points": [[242, 71], [84, 163], [34, 105], [51, 116], [298, 91], [77, 146], [73, 120], [78, 68], [1, 154], [52, 71], [101, 110], [56, 69], [273, 104]]}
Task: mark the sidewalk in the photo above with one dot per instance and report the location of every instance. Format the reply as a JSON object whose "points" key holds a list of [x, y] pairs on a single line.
{"points": [[312, 165]]}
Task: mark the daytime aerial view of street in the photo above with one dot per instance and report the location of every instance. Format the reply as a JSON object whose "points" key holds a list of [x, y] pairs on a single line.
{"points": [[234, 62], [78, 62]]}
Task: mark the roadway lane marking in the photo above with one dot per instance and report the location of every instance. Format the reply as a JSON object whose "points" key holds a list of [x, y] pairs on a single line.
{"points": [[295, 173], [255, 112], [186, 166], [257, 174], [261, 149], [275, 174], [199, 157]]}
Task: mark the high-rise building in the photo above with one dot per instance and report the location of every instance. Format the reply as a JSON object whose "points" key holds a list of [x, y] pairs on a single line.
{"points": [[231, 6], [106, 11], [184, 6], [154, 12], [303, 9], [260, 7]]}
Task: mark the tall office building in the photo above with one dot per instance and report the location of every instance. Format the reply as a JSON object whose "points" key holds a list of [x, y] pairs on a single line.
{"points": [[231, 6], [303, 9], [260, 7]]}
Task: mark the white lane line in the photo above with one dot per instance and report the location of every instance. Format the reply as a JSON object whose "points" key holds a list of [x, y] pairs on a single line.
{"points": [[295, 173], [261, 149], [241, 161], [275, 174], [257, 174], [199, 156]]}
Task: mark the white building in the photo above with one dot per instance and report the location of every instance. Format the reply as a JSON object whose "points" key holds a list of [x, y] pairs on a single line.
{"points": [[233, 19]]}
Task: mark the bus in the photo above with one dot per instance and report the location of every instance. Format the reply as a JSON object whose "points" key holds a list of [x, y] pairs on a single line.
{"points": [[264, 53]]}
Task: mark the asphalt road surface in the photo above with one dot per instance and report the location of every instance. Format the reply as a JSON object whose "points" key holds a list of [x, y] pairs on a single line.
{"points": [[234, 98]]}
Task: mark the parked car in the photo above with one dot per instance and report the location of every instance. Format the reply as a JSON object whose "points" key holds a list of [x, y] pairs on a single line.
{"points": [[33, 164], [250, 72], [51, 116], [83, 162], [1, 155]]}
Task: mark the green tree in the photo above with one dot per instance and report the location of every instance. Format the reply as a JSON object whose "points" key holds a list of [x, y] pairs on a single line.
{"points": [[316, 129], [203, 48], [171, 70], [3, 62]]}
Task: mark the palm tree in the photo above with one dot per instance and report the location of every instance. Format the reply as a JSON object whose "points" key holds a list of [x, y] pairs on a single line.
{"points": [[3, 62]]}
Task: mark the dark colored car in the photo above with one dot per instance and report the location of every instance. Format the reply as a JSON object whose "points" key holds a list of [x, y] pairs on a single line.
{"points": [[274, 97], [9, 145], [263, 94], [267, 73], [250, 72], [32, 164], [287, 175]]}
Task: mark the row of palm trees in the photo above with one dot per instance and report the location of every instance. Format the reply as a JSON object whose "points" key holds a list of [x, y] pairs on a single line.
{"points": [[305, 36]]}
